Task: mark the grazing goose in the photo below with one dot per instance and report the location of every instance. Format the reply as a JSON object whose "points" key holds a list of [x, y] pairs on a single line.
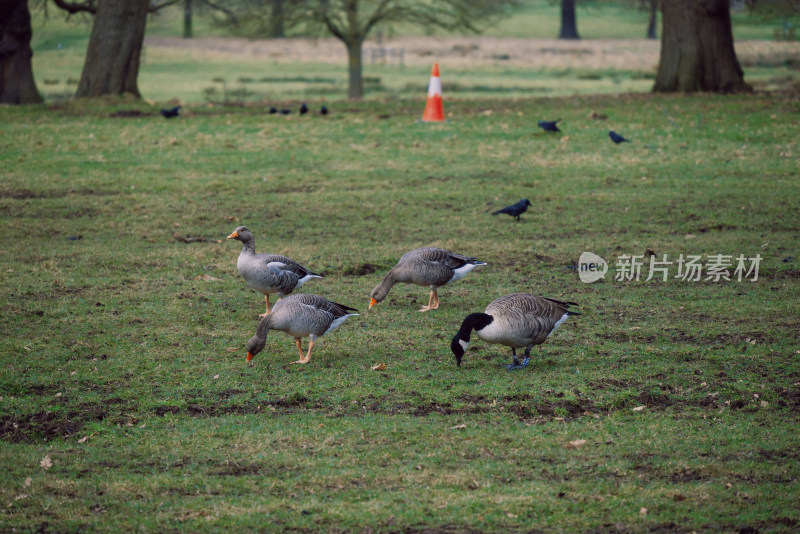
{"points": [[299, 316], [268, 273], [516, 320], [432, 267]]}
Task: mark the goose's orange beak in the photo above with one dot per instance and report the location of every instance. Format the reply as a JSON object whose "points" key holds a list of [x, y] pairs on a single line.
{"points": [[249, 356], [234, 235], [372, 302]]}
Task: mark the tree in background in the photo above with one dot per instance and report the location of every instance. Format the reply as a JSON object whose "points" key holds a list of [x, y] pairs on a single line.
{"points": [[17, 85], [569, 22], [351, 21], [111, 66], [697, 48], [260, 18], [189, 7], [653, 19]]}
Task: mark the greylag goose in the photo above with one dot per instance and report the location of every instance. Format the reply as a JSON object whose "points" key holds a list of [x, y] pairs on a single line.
{"points": [[268, 273], [300, 316], [516, 320], [432, 267]]}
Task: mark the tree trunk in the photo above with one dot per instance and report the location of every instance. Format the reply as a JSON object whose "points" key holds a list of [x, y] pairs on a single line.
{"points": [[651, 23], [569, 24], [187, 19], [115, 44], [17, 85], [276, 19], [697, 48], [355, 90]]}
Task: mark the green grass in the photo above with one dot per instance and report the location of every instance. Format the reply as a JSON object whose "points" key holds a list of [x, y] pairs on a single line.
{"points": [[126, 368]]}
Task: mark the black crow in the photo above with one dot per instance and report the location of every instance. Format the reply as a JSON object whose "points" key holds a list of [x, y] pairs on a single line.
{"points": [[285, 111], [303, 109], [549, 126], [169, 113], [515, 210], [323, 110], [617, 138], [273, 110]]}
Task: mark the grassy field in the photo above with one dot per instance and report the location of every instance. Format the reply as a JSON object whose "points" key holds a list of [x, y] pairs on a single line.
{"points": [[126, 402], [125, 399]]}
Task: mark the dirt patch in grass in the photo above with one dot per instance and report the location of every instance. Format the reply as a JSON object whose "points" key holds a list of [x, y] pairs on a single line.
{"points": [[20, 194], [675, 335], [46, 425], [361, 269], [213, 408], [129, 113], [238, 469]]}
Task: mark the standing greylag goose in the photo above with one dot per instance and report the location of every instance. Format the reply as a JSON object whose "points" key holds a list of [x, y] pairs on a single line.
{"points": [[516, 320], [432, 267], [299, 316], [268, 273]]}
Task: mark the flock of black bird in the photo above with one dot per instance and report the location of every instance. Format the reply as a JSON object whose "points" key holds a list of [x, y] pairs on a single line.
{"points": [[303, 110], [174, 112], [552, 127], [547, 126]]}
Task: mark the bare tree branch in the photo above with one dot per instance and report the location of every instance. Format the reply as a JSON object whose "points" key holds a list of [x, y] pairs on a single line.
{"points": [[155, 7], [77, 7], [230, 14]]}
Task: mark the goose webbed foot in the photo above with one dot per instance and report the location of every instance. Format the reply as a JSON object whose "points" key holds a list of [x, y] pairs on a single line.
{"points": [[517, 365], [433, 302]]}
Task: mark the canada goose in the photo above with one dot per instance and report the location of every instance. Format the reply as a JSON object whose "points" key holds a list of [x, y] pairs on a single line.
{"points": [[300, 316], [268, 273], [432, 267], [516, 320]]}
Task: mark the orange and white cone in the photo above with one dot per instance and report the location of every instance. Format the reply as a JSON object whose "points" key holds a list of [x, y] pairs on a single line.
{"points": [[433, 106]]}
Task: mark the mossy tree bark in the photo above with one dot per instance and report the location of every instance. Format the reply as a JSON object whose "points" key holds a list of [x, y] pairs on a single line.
{"points": [[115, 45], [17, 85], [697, 51]]}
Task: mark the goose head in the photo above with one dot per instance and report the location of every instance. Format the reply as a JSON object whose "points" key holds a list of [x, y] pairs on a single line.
{"points": [[380, 291], [241, 233], [255, 345], [459, 347], [473, 321]]}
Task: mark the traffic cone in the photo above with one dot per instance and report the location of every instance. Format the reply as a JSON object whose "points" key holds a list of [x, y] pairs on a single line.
{"points": [[433, 106]]}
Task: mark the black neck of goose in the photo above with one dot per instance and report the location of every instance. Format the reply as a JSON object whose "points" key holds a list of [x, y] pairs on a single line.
{"points": [[473, 321]]}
